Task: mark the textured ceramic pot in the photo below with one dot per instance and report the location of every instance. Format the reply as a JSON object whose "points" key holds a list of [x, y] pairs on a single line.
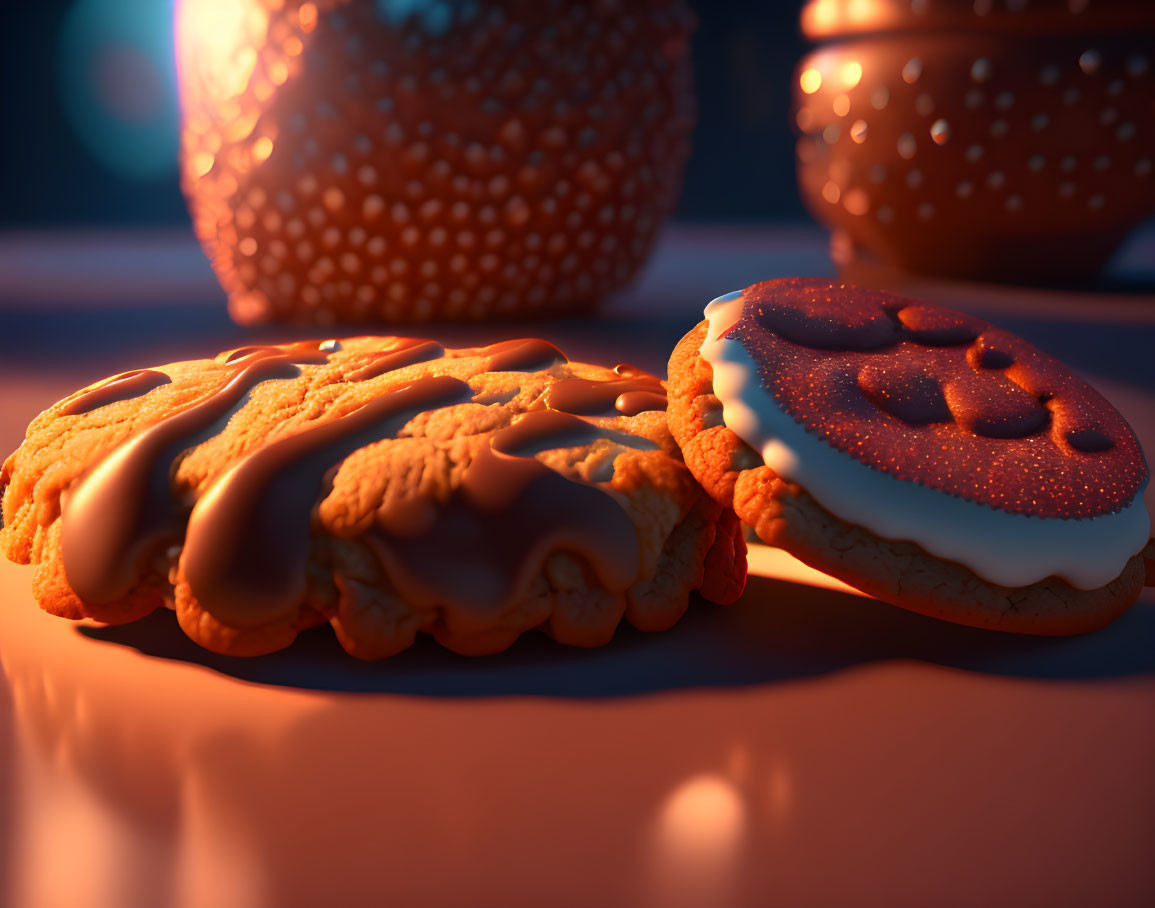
{"points": [[404, 160], [1001, 141]]}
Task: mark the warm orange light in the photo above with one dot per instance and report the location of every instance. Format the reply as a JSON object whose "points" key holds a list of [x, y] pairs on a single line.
{"points": [[262, 148], [701, 832], [842, 105], [856, 202], [765, 561], [862, 11], [810, 81], [851, 73], [307, 16], [202, 163], [240, 128], [263, 90], [823, 14], [703, 817], [215, 39], [226, 185]]}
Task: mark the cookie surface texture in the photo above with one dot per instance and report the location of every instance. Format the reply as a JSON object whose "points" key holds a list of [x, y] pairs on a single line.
{"points": [[386, 486], [920, 454]]}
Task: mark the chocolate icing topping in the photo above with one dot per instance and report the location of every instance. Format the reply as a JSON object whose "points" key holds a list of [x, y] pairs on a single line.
{"points": [[522, 355], [631, 403], [305, 352], [824, 321], [248, 538], [1089, 441], [510, 512], [407, 352], [938, 327], [992, 350], [588, 398], [541, 430], [124, 510], [995, 407], [120, 387], [244, 352], [940, 398], [905, 393]]}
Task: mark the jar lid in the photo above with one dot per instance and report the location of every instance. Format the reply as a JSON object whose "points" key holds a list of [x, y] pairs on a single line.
{"points": [[823, 19]]}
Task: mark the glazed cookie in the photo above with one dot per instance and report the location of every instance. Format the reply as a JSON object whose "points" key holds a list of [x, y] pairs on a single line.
{"points": [[387, 486], [919, 454]]}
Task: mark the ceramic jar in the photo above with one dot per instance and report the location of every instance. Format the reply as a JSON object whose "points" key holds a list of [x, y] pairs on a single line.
{"points": [[454, 159], [966, 138]]}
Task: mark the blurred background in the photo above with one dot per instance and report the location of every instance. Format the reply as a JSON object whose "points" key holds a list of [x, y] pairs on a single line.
{"points": [[88, 109], [734, 776]]}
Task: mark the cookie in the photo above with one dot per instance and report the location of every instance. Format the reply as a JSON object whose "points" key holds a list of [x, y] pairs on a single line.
{"points": [[407, 161], [388, 486], [919, 454]]}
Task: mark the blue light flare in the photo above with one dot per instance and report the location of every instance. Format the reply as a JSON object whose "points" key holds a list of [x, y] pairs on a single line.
{"points": [[117, 80]]}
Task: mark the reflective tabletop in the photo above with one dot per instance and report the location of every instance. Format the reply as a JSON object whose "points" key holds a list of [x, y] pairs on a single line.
{"points": [[806, 746]]}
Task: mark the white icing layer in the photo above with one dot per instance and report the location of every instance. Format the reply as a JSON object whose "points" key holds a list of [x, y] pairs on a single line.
{"points": [[1008, 549]]}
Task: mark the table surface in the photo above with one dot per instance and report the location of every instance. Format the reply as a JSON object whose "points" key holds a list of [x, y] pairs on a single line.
{"points": [[806, 746]]}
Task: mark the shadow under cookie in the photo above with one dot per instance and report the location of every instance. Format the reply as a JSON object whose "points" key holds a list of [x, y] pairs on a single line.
{"points": [[777, 632]]}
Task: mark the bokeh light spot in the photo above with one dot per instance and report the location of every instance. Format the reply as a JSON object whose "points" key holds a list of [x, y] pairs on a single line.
{"points": [[856, 202], [704, 818], [117, 84], [202, 163], [262, 148], [307, 16]]}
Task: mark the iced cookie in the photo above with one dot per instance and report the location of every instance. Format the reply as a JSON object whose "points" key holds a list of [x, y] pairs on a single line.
{"points": [[387, 486], [921, 455]]}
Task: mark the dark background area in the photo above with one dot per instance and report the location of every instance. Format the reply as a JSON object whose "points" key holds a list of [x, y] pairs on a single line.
{"points": [[52, 174]]}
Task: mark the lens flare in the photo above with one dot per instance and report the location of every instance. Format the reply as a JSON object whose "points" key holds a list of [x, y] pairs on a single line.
{"points": [[117, 85]]}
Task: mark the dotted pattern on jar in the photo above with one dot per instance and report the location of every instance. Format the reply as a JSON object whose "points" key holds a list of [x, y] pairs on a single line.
{"points": [[454, 160]]}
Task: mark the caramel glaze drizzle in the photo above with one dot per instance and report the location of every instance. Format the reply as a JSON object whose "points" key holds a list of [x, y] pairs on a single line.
{"points": [[123, 511], [117, 388], [481, 549], [407, 352], [308, 352], [631, 403], [543, 430], [626, 370], [522, 355], [248, 539], [630, 396]]}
